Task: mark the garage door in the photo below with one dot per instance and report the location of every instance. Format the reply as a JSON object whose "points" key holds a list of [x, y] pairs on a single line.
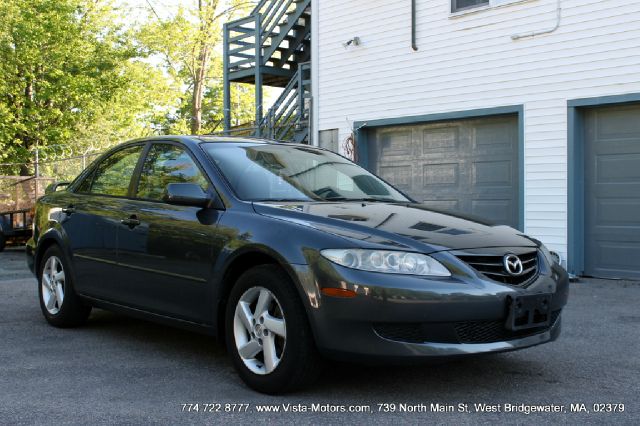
{"points": [[612, 192], [469, 166]]}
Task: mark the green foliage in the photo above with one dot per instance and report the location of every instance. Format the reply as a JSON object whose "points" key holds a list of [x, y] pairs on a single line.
{"points": [[73, 75], [61, 63], [188, 46]]}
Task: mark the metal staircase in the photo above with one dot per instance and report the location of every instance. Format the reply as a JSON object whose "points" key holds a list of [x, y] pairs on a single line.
{"points": [[288, 118], [272, 47]]}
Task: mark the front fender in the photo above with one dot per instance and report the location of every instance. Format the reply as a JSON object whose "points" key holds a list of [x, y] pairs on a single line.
{"points": [[229, 257], [290, 245]]}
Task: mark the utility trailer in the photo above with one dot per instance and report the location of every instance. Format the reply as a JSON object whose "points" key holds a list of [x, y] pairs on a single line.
{"points": [[15, 227]]}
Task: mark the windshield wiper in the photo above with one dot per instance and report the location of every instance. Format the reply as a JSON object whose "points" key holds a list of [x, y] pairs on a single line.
{"points": [[369, 200], [282, 200]]}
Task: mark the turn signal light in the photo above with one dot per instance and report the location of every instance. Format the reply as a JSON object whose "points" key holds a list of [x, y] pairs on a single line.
{"points": [[338, 292]]}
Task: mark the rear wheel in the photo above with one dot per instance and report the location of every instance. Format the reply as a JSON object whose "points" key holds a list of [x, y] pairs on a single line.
{"points": [[60, 305], [268, 334]]}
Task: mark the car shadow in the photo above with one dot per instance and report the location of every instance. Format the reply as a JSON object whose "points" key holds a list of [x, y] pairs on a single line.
{"points": [[157, 336], [462, 377]]}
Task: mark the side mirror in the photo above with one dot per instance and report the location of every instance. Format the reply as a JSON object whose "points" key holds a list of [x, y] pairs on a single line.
{"points": [[186, 194], [55, 186]]}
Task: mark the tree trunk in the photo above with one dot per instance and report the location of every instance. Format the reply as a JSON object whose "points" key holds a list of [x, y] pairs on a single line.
{"points": [[26, 140], [206, 10], [196, 102]]}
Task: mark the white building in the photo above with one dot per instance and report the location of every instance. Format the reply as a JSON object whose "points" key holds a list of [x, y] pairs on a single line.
{"points": [[526, 112]]}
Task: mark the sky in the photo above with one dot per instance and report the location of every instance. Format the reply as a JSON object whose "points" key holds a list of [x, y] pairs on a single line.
{"points": [[164, 8]]}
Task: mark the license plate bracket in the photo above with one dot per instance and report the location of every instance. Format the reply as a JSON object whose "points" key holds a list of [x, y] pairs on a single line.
{"points": [[528, 311]]}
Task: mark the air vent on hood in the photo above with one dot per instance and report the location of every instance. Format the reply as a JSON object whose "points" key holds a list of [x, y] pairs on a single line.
{"points": [[349, 217]]}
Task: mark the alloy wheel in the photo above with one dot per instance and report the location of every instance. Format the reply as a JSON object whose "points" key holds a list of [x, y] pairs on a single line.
{"points": [[259, 330], [52, 282]]}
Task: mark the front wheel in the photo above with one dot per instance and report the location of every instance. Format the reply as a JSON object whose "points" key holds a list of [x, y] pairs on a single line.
{"points": [[268, 333], [60, 305]]}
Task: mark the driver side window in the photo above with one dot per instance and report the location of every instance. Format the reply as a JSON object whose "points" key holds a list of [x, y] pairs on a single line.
{"points": [[167, 164]]}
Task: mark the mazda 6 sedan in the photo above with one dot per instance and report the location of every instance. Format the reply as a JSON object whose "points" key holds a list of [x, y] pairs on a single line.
{"points": [[290, 254]]}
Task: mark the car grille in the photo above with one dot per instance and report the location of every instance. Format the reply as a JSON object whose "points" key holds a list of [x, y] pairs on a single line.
{"points": [[492, 267], [495, 331], [459, 332], [403, 332]]}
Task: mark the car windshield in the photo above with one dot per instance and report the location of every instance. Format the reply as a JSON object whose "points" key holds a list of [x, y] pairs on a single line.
{"points": [[269, 172]]}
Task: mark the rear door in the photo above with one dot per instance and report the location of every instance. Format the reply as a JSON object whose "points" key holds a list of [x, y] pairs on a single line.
{"points": [[92, 218], [168, 253]]}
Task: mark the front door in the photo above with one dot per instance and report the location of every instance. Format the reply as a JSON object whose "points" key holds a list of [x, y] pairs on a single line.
{"points": [[166, 252]]}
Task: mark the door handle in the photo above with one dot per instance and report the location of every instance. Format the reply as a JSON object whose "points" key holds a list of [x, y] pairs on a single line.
{"points": [[131, 222], [69, 210]]}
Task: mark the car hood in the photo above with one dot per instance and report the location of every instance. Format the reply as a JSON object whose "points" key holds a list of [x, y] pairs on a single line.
{"points": [[406, 226]]}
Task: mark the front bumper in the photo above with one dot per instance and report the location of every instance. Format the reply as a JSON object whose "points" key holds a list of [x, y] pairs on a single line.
{"points": [[408, 317]]}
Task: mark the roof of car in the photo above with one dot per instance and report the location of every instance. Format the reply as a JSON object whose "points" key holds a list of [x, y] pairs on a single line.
{"points": [[216, 139], [233, 139], [198, 139]]}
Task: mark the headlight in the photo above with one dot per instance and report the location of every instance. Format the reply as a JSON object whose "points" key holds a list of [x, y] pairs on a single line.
{"points": [[390, 262], [547, 254]]}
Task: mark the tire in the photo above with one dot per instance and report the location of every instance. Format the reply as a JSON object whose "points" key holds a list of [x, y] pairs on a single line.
{"points": [[296, 363], [53, 286]]}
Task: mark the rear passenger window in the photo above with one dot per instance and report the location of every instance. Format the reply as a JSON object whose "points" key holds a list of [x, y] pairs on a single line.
{"points": [[167, 164], [113, 174]]}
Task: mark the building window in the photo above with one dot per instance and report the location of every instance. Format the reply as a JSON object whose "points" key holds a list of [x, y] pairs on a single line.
{"points": [[329, 140], [458, 5]]}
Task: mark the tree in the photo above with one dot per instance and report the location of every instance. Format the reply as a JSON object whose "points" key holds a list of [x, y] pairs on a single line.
{"points": [[189, 44], [61, 63], [73, 76]]}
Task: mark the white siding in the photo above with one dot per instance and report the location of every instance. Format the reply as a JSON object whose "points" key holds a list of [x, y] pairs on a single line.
{"points": [[470, 61]]}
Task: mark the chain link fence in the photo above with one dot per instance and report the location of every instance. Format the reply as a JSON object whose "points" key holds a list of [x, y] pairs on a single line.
{"points": [[21, 192]]}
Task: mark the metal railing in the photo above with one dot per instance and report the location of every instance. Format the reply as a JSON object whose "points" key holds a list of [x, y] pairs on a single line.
{"points": [[288, 118], [268, 47], [270, 21]]}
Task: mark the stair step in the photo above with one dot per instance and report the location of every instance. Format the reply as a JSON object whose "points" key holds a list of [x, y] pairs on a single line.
{"points": [[287, 37], [280, 64], [306, 16], [297, 51], [296, 27]]}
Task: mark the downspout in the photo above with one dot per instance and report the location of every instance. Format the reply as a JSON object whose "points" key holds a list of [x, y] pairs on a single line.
{"points": [[414, 46], [537, 33]]}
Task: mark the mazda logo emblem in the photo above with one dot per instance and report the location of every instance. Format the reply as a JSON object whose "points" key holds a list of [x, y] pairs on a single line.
{"points": [[513, 264]]}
